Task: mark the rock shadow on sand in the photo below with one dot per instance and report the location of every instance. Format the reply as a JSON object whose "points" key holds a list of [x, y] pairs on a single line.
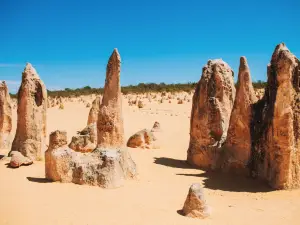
{"points": [[230, 182], [38, 180], [174, 163]]}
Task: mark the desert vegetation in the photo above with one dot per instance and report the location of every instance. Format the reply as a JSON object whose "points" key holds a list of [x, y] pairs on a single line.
{"points": [[134, 89]]}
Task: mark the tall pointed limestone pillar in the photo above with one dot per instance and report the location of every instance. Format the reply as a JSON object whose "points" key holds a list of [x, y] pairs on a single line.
{"points": [[32, 108]]}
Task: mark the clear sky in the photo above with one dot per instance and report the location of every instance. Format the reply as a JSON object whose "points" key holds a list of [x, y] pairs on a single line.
{"points": [[69, 42]]}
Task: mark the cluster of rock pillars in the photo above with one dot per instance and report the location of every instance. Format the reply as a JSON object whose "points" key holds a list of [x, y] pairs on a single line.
{"points": [[230, 130]]}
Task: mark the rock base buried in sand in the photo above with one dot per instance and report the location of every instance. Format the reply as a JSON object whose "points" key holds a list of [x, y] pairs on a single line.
{"points": [[108, 165], [86, 141], [195, 205], [107, 168], [257, 137], [18, 160]]}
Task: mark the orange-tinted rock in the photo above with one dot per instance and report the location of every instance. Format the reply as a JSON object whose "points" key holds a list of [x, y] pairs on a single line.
{"points": [[86, 141], [263, 137], [5, 116], [143, 139], [32, 107], [110, 120], [276, 124], [212, 104], [58, 158], [237, 150], [110, 164], [94, 111], [195, 205]]}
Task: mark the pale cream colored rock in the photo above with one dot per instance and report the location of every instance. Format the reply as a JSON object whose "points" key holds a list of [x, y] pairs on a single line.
{"points": [[104, 168], [17, 160]]}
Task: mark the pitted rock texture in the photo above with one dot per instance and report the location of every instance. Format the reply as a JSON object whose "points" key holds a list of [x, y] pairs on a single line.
{"points": [[32, 107], [143, 139], [17, 160], [110, 163], [195, 205], [104, 168], [5, 117], [94, 111], [237, 149], [86, 141], [276, 124], [212, 105], [110, 119], [263, 137]]}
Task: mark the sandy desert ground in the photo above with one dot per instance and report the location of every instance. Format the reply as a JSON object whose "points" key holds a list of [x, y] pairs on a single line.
{"points": [[155, 198]]}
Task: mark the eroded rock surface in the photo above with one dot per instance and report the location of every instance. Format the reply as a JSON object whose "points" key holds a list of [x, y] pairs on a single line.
{"points": [[5, 116], [86, 140], [17, 160], [263, 137], [143, 139], [237, 150], [110, 120], [195, 205], [104, 168], [32, 107], [94, 111], [110, 163], [276, 124], [212, 105]]}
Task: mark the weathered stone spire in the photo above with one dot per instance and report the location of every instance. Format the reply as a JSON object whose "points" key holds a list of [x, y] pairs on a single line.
{"points": [[237, 150], [110, 120], [212, 104], [32, 107]]}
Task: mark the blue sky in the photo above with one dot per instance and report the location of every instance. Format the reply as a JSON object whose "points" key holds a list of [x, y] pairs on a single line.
{"points": [[69, 42]]}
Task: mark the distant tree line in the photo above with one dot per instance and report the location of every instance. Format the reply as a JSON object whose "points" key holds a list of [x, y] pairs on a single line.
{"points": [[135, 89], [259, 84]]}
